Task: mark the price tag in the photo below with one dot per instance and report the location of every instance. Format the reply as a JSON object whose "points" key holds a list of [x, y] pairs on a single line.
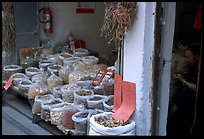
{"points": [[128, 102], [117, 92], [8, 84]]}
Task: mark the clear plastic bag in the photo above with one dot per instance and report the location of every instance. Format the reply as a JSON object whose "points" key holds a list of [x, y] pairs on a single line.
{"points": [[89, 60], [96, 102], [36, 108], [67, 92], [17, 77], [56, 91], [65, 55], [54, 69], [54, 80], [108, 103], [55, 59], [44, 64], [85, 81], [10, 70], [56, 113], [32, 71], [29, 62], [70, 61], [80, 121], [80, 52], [81, 96], [64, 73], [42, 76], [38, 88], [69, 111], [24, 85], [46, 106]]}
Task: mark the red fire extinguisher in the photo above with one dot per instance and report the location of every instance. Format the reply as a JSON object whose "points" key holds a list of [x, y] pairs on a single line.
{"points": [[47, 19]]}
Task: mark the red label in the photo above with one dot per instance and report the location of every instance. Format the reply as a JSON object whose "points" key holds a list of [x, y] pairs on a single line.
{"points": [[128, 102], [8, 84], [117, 92]]}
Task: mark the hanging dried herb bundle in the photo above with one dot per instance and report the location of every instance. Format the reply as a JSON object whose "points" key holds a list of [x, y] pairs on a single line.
{"points": [[117, 20], [8, 33]]}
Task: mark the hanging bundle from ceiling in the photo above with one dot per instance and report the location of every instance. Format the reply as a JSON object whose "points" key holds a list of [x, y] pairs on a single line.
{"points": [[117, 20]]}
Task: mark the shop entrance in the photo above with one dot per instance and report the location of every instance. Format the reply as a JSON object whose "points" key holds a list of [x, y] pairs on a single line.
{"points": [[181, 101]]}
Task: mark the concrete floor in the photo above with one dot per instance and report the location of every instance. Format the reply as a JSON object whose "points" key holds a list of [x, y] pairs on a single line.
{"points": [[17, 118], [14, 123]]}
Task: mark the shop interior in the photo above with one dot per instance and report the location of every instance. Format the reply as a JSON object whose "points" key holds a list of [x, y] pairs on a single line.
{"points": [[185, 35]]}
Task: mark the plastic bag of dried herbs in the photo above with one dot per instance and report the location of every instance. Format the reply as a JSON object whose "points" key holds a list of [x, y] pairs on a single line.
{"points": [[81, 96], [80, 122], [17, 77], [108, 103], [37, 88], [46, 106], [56, 113], [96, 102], [67, 92], [24, 85], [36, 108], [69, 111], [10, 70]]}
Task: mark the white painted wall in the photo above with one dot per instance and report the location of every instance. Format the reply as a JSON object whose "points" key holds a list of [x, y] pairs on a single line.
{"points": [[83, 26], [138, 51]]}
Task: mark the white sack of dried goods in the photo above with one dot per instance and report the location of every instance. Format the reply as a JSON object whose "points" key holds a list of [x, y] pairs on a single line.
{"points": [[99, 129]]}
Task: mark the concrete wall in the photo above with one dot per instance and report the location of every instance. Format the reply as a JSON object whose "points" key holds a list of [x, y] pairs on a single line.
{"points": [[83, 26], [139, 46]]}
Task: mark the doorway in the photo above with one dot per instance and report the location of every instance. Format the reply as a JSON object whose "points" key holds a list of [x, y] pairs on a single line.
{"points": [[184, 35]]}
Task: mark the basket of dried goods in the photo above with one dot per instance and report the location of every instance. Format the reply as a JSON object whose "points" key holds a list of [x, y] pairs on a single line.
{"points": [[108, 103], [96, 102], [67, 92], [24, 85], [81, 96], [80, 122], [36, 108], [89, 60], [105, 124], [32, 71], [10, 70], [17, 77], [46, 106], [56, 113]]}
